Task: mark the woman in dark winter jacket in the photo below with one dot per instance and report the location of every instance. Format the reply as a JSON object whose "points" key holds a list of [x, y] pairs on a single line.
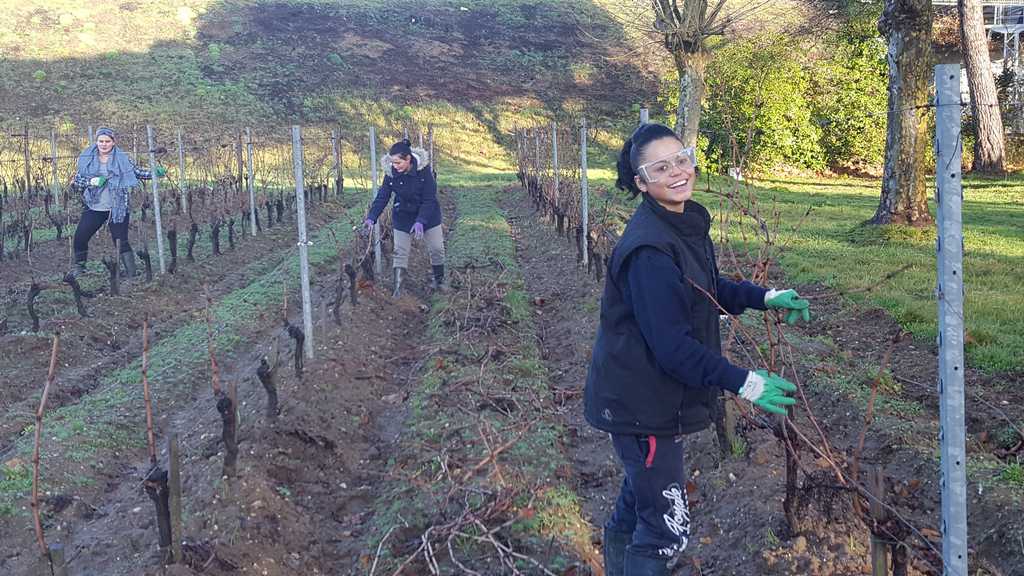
{"points": [[657, 365], [106, 175], [415, 211]]}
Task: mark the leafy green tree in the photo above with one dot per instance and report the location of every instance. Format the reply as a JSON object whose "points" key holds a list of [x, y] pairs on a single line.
{"points": [[757, 113], [848, 95]]}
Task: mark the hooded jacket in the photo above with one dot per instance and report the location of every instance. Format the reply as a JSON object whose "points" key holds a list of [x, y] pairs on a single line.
{"points": [[415, 194], [656, 366]]}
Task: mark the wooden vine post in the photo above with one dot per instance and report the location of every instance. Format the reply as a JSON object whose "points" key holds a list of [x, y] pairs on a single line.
{"points": [[225, 404], [251, 182], [156, 479], [50, 377], [151, 442], [556, 211], [265, 373], [174, 455], [584, 195], [339, 179], [879, 544], [294, 332]]}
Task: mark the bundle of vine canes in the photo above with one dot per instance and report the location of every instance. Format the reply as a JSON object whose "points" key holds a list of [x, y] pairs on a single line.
{"points": [[362, 259]]}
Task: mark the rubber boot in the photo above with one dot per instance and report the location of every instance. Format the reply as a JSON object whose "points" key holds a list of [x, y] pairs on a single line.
{"points": [[614, 550], [398, 282], [128, 269], [437, 281], [78, 270], [645, 566]]}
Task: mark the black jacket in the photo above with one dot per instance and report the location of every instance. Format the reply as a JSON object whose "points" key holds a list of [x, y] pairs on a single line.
{"points": [[415, 194], [656, 365]]}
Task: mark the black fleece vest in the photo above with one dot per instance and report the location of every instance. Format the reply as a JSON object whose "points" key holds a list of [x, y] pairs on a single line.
{"points": [[627, 391]]}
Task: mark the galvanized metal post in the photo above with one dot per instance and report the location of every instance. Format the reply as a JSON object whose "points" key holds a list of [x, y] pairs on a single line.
{"points": [[91, 139], [950, 292], [154, 182], [300, 210], [584, 194], [645, 116], [181, 174], [554, 161], [378, 265], [251, 181]]}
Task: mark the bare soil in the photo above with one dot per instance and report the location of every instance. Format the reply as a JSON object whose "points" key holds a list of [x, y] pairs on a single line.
{"points": [[303, 497], [738, 518]]}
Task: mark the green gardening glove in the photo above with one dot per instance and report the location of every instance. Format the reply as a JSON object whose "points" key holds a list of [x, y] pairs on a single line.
{"points": [[789, 300], [160, 171], [768, 391]]}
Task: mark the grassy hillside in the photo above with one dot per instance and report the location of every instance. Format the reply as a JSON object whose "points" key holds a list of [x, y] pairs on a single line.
{"points": [[243, 61]]}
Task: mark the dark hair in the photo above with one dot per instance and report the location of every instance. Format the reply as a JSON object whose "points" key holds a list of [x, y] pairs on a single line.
{"points": [[401, 148], [632, 149]]}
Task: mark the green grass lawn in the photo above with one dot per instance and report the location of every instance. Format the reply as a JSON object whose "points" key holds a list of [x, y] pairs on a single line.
{"points": [[831, 247]]}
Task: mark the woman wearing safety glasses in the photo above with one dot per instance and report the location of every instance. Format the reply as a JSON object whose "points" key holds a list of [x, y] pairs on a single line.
{"points": [[657, 366]]}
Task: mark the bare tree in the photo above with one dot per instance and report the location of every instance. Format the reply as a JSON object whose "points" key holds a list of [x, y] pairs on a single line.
{"points": [[682, 28], [988, 121], [907, 25], [685, 25], [684, 33]]}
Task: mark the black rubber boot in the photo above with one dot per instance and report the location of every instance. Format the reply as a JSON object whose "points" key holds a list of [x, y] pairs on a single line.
{"points": [[398, 282], [79, 268], [437, 282], [128, 268], [645, 566], [615, 552]]}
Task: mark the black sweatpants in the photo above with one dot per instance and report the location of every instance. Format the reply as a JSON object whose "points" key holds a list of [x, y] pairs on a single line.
{"points": [[652, 504], [90, 223]]}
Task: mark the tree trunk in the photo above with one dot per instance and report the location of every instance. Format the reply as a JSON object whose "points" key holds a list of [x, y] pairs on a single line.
{"points": [[691, 67], [988, 122], [907, 24]]}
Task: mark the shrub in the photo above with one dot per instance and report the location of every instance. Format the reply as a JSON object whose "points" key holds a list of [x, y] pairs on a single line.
{"points": [[849, 96], [756, 104]]}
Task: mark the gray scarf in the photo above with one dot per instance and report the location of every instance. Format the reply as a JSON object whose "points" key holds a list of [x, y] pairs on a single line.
{"points": [[120, 170]]}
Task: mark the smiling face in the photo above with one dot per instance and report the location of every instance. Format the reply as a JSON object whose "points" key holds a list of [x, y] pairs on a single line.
{"points": [[104, 144], [674, 182], [400, 164]]}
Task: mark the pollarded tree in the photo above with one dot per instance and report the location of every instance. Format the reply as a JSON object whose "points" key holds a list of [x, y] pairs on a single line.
{"points": [[685, 25], [683, 28], [907, 26], [988, 122]]}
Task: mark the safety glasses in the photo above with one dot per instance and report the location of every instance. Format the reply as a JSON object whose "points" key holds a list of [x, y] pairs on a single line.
{"points": [[656, 170]]}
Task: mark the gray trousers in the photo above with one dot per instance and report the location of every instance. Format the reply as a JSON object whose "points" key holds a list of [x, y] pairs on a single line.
{"points": [[435, 246]]}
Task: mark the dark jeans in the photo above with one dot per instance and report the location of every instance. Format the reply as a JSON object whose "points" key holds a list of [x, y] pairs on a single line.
{"points": [[652, 504], [89, 224]]}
